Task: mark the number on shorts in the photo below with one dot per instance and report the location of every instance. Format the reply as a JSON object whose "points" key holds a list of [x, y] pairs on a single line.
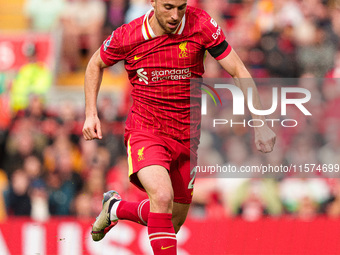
{"points": [[192, 176]]}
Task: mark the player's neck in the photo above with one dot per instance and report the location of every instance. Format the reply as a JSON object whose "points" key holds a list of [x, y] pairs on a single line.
{"points": [[155, 26]]}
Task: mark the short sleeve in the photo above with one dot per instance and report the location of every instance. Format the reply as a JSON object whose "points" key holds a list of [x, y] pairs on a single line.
{"points": [[112, 49], [212, 34]]}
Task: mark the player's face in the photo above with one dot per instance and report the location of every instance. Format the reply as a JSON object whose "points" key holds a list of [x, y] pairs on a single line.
{"points": [[169, 13]]}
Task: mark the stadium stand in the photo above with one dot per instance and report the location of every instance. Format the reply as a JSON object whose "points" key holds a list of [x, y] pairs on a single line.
{"points": [[47, 166]]}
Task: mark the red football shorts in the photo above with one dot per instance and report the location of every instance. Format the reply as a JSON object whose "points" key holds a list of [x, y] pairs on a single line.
{"points": [[145, 149]]}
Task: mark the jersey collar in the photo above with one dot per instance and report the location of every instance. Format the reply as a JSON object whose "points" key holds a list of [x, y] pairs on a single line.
{"points": [[147, 30]]}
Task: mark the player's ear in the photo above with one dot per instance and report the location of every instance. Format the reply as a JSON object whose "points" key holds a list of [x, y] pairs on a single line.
{"points": [[153, 3]]}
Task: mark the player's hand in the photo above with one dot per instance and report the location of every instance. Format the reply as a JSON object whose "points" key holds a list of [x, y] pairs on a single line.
{"points": [[92, 129], [264, 139]]}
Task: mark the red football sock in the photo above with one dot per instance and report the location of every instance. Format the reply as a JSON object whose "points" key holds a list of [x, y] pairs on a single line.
{"points": [[134, 211], [162, 234]]}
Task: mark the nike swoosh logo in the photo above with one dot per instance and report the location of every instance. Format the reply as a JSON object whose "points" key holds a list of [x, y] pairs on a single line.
{"points": [[136, 58], [164, 248]]}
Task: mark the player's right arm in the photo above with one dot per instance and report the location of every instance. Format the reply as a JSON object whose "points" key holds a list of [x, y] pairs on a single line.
{"points": [[111, 51], [93, 79]]}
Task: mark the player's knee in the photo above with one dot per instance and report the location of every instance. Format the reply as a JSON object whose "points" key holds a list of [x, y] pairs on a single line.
{"points": [[162, 201]]}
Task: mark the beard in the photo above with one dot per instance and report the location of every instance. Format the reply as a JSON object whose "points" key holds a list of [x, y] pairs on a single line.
{"points": [[163, 25]]}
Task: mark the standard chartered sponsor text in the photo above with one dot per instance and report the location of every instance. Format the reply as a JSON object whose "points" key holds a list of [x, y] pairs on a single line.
{"points": [[170, 74]]}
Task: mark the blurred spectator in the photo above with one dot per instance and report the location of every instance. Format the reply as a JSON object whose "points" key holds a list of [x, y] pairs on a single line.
{"points": [[63, 182], [256, 198], [112, 141], [136, 9], [36, 110], [33, 167], [88, 153], [335, 71], [5, 115], [23, 141], [108, 109], [299, 194], [102, 159], [332, 206], [237, 154], [95, 188], [307, 209], [244, 33], [316, 57], [302, 149], [216, 9], [2, 83], [39, 200], [279, 52], [5, 120], [330, 124], [335, 16], [83, 21], [17, 196], [115, 14], [82, 206], [287, 13], [3, 188], [206, 201], [62, 144], [69, 121], [44, 15], [32, 78]]}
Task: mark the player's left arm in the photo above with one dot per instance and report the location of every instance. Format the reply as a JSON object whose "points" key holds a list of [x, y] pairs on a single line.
{"points": [[264, 136]]}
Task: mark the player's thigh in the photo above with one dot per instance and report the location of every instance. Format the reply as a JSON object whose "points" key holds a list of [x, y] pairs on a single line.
{"points": [[179, 214], [156, 182], [145, 151]]}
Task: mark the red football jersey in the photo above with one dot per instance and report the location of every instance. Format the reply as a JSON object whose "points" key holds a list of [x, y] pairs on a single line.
{"points": [[160, 69]]}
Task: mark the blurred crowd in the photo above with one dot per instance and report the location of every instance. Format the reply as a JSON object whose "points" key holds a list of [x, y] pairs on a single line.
{"points": [[48, 169], [283, 38], [301, 178], [82, 24]]}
